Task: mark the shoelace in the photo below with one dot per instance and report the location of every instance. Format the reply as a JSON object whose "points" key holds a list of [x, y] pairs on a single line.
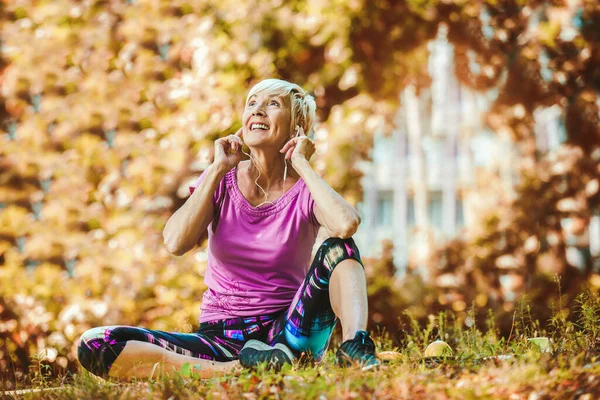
{"points": [[362, 337]]}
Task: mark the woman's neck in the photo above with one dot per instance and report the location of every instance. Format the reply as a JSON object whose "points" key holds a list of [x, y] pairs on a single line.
{"points": [[269, 168]]}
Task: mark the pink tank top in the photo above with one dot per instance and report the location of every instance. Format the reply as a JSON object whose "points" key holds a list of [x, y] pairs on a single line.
{"points": [[257, 257]]}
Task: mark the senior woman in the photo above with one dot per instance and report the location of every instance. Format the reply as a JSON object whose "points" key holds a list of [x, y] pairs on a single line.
{"points": [[266, 301]]}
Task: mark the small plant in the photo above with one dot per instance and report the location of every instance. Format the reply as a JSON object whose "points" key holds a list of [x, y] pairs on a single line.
{"points": [[492, 341], [588, 309], [442, 325], [40, 372], [561, 329], [472, 335], [523, 321]]}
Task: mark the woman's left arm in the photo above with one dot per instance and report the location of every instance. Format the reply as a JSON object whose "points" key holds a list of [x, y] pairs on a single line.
{"points": [[332, 211]]}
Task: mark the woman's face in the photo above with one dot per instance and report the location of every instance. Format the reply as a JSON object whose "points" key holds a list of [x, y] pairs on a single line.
{"points": [[266, 120]]}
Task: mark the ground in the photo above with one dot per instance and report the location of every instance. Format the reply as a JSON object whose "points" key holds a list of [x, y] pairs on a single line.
{"points": [[532, 375], [559, 361]]}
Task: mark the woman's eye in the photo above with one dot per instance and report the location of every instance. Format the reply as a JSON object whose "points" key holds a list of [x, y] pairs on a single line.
{"points": [[274, 103]]}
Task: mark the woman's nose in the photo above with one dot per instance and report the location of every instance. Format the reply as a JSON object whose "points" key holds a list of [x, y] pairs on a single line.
{"points": [[259, 110]]}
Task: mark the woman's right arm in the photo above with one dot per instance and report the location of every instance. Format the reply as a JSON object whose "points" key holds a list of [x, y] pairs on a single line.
{"points": [[187, 224], [191, 221]]}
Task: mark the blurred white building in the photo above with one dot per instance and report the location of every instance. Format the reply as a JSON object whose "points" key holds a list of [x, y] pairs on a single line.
{"points": [[424, 180], [583, 242]]}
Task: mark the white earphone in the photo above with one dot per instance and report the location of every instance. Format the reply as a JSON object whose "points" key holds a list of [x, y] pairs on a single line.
{"points": [[297, 130]]}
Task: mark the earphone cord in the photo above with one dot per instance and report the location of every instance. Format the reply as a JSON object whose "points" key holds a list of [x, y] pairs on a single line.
{"points": [[258, 177], [284, 174]]}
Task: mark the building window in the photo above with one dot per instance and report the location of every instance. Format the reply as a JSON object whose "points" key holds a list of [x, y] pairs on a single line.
{"points": [[460, 213], [562, 130], [385, 208], [435, 208], [410, 212], [383, 149]]}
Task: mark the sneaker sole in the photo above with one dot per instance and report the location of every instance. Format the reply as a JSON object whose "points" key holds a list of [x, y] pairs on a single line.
{"points": [[275, 356], [258, 345], [344, 361], [370, 367]]}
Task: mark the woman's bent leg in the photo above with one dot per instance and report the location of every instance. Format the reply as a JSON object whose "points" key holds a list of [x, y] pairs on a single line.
{"points": [[311, 318], [348, 296], [126, 352]]}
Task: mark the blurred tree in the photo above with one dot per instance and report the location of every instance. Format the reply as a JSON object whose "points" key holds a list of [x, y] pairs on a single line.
{"points": [[109, 108]]}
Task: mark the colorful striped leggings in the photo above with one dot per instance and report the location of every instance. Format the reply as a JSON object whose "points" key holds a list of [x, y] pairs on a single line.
{"points": [[305, 327]]}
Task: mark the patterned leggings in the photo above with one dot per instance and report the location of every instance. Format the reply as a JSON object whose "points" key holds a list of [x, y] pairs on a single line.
{"points": [[305, 327]]}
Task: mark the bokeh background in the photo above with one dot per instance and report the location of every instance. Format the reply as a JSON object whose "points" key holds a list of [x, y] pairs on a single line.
{"points": [[466, 132]]}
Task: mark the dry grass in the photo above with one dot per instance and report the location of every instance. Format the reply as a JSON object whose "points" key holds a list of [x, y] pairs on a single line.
{"points": [[532, 376], [483, 366]]}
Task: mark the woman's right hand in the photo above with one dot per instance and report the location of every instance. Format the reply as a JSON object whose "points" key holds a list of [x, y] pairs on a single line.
{"points": [[228, 150]]}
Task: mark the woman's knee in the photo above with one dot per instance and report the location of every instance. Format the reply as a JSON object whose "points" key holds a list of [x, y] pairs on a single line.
{"points": [[97, 349], [340, 248], [335, 250], [98, 334]]}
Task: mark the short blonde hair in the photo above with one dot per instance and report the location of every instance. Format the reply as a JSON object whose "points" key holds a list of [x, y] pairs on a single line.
{"points": [[302, 104]]}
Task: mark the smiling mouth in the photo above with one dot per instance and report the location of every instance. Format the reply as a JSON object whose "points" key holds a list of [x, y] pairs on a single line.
{"points": [[258, 127]]}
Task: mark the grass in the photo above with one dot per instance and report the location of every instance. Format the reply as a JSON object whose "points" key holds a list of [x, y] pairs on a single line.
{"points": [[484, 365], [534, 375]]}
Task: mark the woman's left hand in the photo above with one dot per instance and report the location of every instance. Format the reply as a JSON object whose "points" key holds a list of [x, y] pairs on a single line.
{"points": [[298, 148]]}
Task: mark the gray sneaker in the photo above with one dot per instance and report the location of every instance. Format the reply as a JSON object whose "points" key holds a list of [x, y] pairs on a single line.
{"points": [[256, 352]]}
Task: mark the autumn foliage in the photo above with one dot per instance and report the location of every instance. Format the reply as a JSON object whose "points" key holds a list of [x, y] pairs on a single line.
{"points": [[108, 110]]}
